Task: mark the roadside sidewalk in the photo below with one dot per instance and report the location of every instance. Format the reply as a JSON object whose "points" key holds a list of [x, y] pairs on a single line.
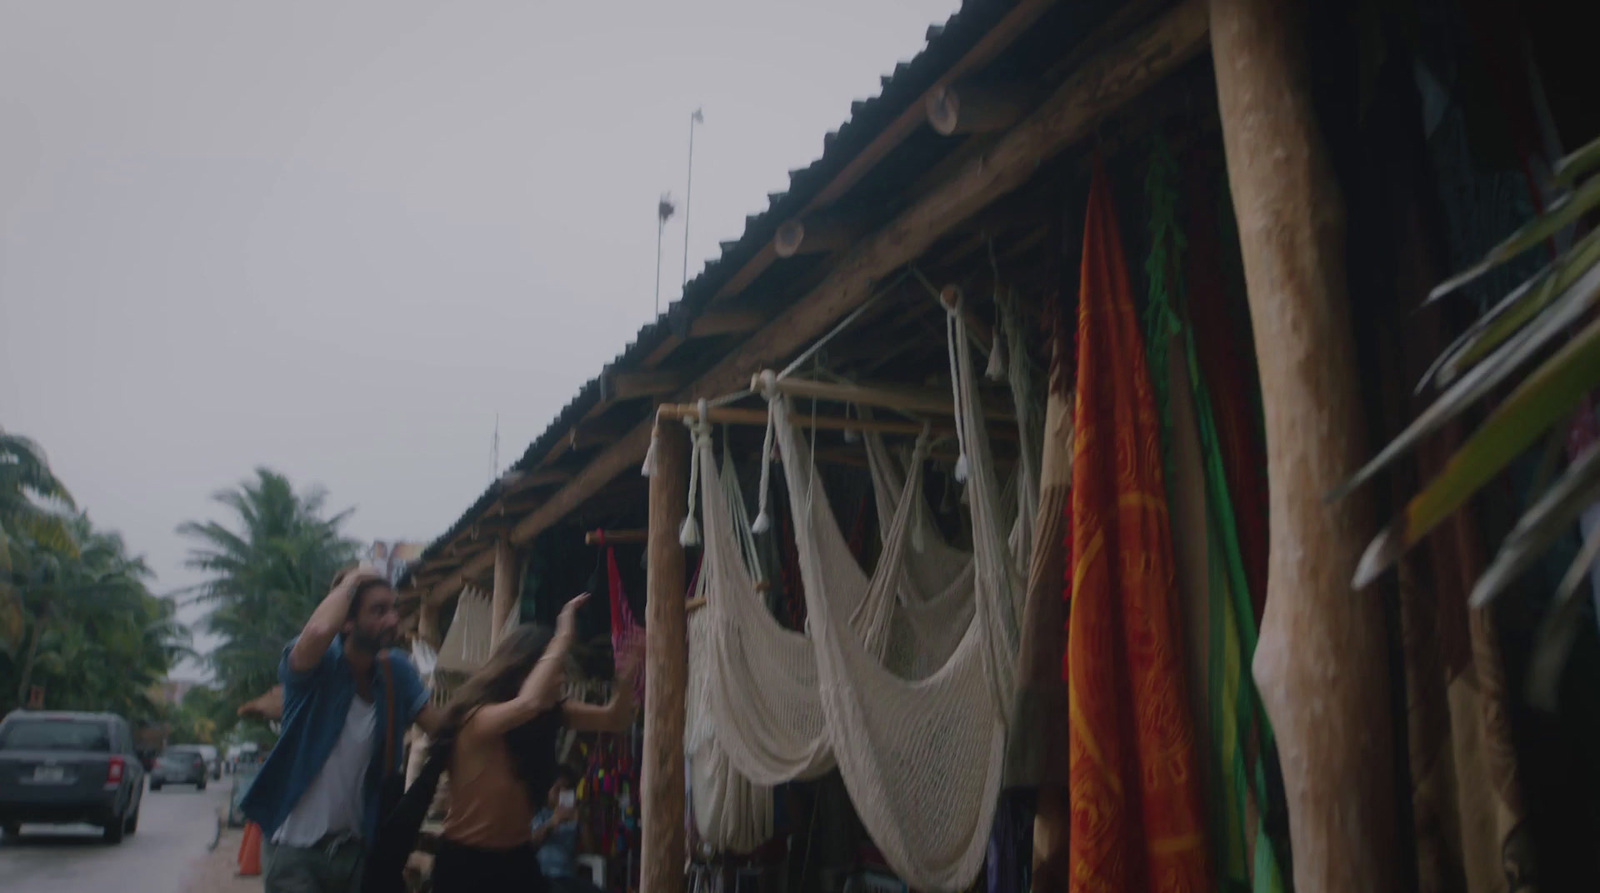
{"points": [[217, 871]]}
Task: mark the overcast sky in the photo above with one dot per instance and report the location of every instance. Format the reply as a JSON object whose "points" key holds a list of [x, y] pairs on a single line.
{"points": [[337, 238]]}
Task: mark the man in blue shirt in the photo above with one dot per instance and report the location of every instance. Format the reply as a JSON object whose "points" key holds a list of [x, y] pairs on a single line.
{"points": [[316, 797]]}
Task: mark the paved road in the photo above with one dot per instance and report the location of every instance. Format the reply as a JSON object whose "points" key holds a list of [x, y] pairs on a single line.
{"points": [[175, 827]]}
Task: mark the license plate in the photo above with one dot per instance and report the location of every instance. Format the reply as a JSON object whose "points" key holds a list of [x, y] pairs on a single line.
{"points": [[49, 774]]}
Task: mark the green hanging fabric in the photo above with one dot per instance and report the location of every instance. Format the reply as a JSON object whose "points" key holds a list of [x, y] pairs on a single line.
{"points": [[1239, 732]]}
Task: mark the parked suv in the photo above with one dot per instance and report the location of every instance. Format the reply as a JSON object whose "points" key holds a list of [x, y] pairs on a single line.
{"points": [[180, 764], [69, 767]]}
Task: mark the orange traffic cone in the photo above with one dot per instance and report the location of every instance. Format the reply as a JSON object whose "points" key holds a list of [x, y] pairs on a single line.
{"points": [[250, 851]]}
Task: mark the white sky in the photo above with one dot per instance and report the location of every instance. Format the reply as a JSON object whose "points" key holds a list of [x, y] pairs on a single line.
{"points": [[337, 238]]}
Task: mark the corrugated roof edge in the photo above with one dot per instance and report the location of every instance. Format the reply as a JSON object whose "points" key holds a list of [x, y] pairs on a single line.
{"points": [[946, 44]]}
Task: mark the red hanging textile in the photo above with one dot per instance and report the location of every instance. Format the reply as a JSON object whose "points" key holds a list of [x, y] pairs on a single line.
{"points": [[1136, 818], [627, 636]]}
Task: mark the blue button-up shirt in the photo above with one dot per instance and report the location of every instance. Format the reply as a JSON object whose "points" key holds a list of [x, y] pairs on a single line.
{"points": [[315, 704]]}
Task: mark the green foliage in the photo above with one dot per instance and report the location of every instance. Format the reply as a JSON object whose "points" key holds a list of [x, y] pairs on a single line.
{"points": [[201, 718], [268, 565], [76, 613], [1541, 342]]}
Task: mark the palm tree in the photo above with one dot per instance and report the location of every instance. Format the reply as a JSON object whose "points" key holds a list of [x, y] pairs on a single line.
{"points": [[268, 567], [1550, 319], [95, 634], [25, 483]]}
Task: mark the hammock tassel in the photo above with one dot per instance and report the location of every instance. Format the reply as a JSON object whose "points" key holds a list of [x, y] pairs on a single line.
{"points": [[700, 434], [763, 522], [648, 469], [996, 370], [961, 469], [689, 533], [851, 435]]}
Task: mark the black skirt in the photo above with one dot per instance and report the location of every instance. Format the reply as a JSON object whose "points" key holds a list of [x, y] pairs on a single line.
{"points": [[458, 868]]}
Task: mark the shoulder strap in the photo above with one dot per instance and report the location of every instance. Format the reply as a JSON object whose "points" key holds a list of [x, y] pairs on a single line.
{"points": [[388, 713]]}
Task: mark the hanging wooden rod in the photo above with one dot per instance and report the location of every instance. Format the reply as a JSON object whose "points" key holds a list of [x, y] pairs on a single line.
{"points": [[735, 415], [614, 537], [695, 604], [900, 399]]}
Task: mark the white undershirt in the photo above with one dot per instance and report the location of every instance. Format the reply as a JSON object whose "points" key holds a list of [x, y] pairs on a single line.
{"points": [[333, 802]]}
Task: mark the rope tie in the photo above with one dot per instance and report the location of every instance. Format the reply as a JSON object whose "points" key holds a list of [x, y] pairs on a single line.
{"points": [[763, 522], [919, 454], [955, 331], [996, 370]]}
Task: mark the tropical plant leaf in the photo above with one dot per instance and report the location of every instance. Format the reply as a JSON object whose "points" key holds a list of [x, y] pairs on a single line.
{"points": [[1576, 164], [1548, 395], [1515, 310], [1546, 521], [1555, 321], [1562, 213], [1559, 628]]}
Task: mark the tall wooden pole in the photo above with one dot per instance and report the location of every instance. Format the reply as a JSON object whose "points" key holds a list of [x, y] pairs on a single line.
{"points": [[1321, 662], [666, 668], [505, 597]]}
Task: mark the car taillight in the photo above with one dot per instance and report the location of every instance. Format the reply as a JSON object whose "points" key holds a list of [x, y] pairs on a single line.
{"points": [[114, 771]]}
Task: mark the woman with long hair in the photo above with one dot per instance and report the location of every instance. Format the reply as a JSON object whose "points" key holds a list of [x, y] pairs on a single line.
{"points": [[502, 726]]}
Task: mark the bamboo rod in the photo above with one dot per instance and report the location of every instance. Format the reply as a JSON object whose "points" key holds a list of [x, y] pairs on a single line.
{"points": [[735, 415], [892, 397], [615, 537]]}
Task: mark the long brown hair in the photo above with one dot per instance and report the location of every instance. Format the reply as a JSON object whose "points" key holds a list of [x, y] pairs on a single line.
{"points": [[531, 745], [499, 679]]}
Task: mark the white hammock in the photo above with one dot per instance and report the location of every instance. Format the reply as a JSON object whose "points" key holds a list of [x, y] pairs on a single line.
{"points": [[731, 812], [921, 758], [466, 646]]}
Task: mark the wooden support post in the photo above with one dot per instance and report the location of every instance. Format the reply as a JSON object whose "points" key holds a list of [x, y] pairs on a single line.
{"points": [[1322, 659], [667, 669], [504, 600]]}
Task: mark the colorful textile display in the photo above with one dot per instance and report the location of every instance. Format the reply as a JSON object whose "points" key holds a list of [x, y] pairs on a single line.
{"points": [[1233, 733], [1135, 798], [627, 636]]}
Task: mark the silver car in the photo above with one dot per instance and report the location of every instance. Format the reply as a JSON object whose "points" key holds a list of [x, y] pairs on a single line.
{"points": [[182, 764]]}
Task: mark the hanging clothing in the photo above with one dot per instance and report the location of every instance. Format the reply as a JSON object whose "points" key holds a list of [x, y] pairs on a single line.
{"points": [[1222, 351], [1136, 819], [1234, 737]]}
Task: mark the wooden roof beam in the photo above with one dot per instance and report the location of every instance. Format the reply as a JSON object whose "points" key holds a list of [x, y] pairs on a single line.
{"points": [[977, 108], [618, 386], [814, 234], [725, 322], [992, 44]]}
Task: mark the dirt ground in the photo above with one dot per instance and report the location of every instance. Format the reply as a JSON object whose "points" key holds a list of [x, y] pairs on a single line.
{"points": [[217, 871]]}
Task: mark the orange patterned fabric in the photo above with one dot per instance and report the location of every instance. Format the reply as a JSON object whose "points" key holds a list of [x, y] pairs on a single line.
{"points": [[1136, 817]]}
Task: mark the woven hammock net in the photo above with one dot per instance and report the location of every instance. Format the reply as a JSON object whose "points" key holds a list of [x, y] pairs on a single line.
{"points": [[731, 812], [920, 749]]}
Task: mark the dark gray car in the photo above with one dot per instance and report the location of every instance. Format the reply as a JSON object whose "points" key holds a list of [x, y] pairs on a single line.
{"points": [[180, 764], [62, 768]]}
